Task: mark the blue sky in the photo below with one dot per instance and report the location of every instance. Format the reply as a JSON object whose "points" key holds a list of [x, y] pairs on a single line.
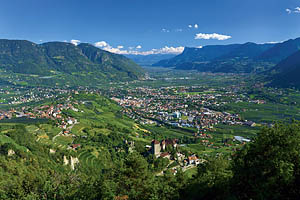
{"points": [[150, 26]]}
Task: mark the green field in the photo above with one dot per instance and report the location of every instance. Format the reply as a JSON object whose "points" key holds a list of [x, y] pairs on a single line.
{"points": [[268, 113]]}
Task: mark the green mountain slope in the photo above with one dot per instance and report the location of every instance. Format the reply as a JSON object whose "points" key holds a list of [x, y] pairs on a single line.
{"points": [[67, 57], [22, 56], [111, 62], [63, 62]]}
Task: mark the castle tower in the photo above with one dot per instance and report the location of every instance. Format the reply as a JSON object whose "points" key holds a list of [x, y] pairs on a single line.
{"points": [[155, 147]]}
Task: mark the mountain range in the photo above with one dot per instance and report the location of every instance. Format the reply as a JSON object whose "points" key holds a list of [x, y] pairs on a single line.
{"points": [[60, 63], [65, 60], [235, 58]]}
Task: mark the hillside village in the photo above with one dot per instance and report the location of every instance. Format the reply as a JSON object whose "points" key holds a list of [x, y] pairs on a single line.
{"points": [[53, 112]]}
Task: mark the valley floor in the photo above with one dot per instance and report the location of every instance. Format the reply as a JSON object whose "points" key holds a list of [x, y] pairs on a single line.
{"points": [[177, 121]]}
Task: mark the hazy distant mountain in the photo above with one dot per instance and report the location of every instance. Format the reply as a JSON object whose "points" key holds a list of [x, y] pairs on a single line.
{"points": [[235, 58], [52, 58], [287, 72], [247, 50], [148, 60], [242, 59], [207, 53], [281, 51]]}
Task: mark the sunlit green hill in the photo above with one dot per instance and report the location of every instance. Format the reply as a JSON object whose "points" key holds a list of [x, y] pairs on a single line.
{"points": [[60, 63]]}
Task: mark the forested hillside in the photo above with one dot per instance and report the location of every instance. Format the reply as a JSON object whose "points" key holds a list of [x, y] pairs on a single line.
{"points": [[59, 62]]}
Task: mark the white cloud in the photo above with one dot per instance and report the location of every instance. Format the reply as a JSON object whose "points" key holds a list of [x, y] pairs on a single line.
{"points": [[168, 50], [101, 44], [135, 50], [178, 30], [273, 42], [105, 46], [196, 26], [75, 42], [297, 10], [164, 50], [164, 30], [215, 36], [115, 50]]}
